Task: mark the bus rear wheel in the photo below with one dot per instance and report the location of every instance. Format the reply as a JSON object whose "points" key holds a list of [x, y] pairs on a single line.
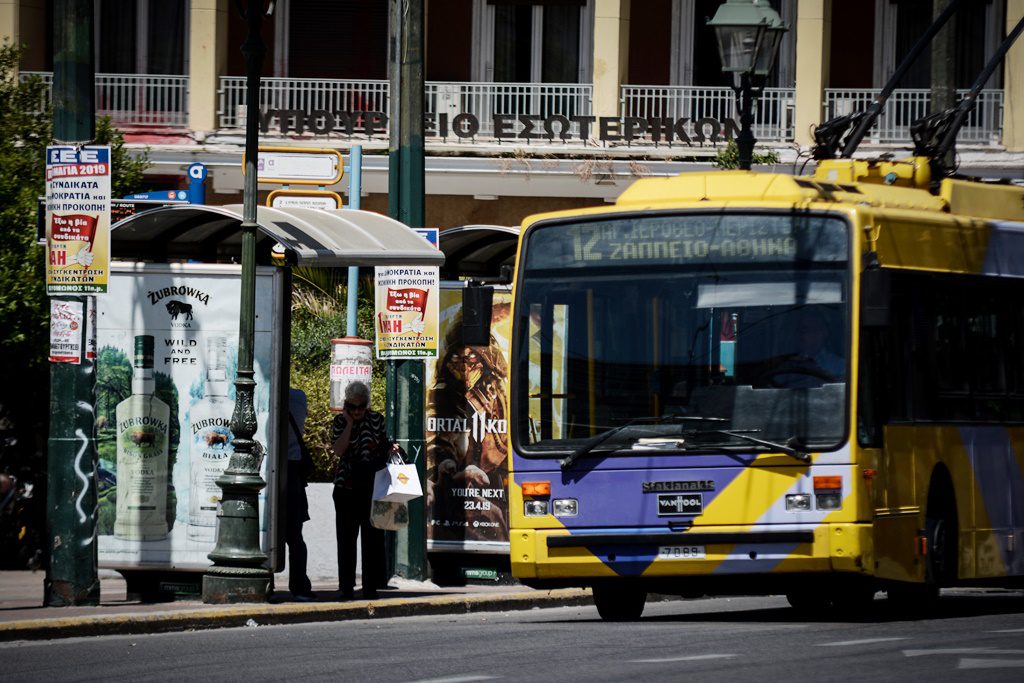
{"points": [[941, 535], [619, 601]]}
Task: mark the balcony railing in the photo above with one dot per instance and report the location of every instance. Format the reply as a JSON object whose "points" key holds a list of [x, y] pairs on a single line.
{"points": [[984, 126], [467, 110], [773, 117], [136, 100], [306, 95], [349, 101]]}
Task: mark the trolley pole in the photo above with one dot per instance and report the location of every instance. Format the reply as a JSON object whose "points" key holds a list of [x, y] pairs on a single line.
{"points": [[405, 378], [71, 574]]}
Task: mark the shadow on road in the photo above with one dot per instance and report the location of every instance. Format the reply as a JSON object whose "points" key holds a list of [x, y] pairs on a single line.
{"points": [[953, 606]]}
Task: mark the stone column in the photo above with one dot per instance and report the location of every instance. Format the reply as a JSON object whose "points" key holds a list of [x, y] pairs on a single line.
{"points": [[813, 30], [1013, 80], [9, 29], [208, 53], [611, 54]]}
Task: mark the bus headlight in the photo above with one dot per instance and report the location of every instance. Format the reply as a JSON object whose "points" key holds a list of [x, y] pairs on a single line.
{"points": [[798, 502], [565, 507], [535, 508], [831, 500], [828, 492]]}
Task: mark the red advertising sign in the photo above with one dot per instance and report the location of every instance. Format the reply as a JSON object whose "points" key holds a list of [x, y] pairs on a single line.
{"points": [[408, 299], [74, 227]]}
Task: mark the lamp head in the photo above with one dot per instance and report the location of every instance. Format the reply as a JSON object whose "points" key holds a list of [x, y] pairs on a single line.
{"points": [[749, 33]]}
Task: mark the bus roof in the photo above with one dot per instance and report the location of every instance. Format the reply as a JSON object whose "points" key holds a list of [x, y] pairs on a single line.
{"points": [[886, 184], [962, 226]]}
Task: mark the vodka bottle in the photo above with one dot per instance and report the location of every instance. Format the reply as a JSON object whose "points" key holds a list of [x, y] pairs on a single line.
{"points": [[211, 443], [142, 443]]}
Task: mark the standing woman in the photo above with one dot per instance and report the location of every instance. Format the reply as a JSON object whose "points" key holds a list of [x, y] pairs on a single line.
{"points": [[361, 446]]}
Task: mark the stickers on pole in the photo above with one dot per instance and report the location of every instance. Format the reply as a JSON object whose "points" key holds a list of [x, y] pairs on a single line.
{"points": [[66, 320], [77, 220], [406, 311]]}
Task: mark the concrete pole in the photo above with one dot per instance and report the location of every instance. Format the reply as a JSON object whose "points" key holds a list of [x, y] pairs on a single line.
{"points": [[71, 576], [406, 203]]}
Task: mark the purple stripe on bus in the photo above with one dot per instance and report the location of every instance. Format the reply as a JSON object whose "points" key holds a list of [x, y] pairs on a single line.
{"points": [[1001, 485], [1005, 252]]}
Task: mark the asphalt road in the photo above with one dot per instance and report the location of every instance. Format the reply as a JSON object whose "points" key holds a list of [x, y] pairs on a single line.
{"points": [[975, 636]]}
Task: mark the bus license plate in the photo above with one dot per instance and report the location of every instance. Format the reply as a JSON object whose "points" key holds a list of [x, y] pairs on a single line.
{"points": [[681, 552]]}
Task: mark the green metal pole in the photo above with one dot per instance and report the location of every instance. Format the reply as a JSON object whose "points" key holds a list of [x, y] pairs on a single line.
{"points": [[239, 573], [71, 576], [406, 204]]}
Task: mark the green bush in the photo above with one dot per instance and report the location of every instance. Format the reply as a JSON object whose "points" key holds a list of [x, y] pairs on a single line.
{"points": [[729, 157]]}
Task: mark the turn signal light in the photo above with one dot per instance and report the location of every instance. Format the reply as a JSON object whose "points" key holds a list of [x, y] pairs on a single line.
{"points": [[536, 488], [828, 483]]}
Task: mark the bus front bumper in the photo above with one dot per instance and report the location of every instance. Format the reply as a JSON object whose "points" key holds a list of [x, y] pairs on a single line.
{"points": [[708, 551]]}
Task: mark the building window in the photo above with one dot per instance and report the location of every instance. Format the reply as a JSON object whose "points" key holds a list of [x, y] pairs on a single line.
{"points": [[141, 36], [901, 22], [533, 42], [331, 39]]}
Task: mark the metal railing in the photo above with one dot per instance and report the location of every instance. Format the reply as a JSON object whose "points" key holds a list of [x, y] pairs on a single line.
{"points": [[554, 103], [311, 96], [135, 100], [773, 118], [146, 100], [984, 126], [349, 100]]}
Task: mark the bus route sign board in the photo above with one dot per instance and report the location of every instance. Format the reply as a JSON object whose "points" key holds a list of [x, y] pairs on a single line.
{"points": [[77, 220], [298, 166]]}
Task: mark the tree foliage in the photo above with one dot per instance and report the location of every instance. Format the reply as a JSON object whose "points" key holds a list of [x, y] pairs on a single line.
{"points": [[27, 124], [319, 300]]}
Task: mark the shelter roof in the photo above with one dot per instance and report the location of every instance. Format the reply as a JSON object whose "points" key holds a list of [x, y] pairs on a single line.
{"points": [[478, 251], [310, 237]]}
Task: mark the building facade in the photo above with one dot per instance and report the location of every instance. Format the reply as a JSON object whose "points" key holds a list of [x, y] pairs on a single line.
{"points": [[532, 105]]}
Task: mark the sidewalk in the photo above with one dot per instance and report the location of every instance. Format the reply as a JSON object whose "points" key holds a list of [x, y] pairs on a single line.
{"points": [[23, 618]]}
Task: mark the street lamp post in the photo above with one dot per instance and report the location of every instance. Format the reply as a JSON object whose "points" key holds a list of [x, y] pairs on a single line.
{"points": [[238, 573], [749, 33]]}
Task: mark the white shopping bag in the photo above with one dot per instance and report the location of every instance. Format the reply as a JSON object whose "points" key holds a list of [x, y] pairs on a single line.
{"points": [[389, 516], [397, 483]]}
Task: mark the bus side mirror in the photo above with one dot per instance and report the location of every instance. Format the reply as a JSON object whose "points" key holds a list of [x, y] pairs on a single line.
{"points": [[875, 297], [476, 314]]}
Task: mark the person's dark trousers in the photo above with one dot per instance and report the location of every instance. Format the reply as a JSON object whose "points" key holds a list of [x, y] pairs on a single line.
{"points": [[352, 516], [296, 514]]}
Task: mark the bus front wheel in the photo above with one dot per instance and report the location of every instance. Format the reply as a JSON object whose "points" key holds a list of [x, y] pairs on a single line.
{"points": [[619, 601]]}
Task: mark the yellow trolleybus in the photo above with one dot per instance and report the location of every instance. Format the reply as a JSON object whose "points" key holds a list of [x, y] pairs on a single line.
{"points": [[741, 382]]}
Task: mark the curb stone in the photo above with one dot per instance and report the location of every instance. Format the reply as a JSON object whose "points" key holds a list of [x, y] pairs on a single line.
{"points": [[272, 615]]}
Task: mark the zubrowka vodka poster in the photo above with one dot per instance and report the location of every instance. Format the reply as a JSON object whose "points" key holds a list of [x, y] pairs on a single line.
{"points": [[168, 346]]}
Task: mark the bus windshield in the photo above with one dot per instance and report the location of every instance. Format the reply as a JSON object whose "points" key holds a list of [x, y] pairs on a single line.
{"points": [[682, 332]]}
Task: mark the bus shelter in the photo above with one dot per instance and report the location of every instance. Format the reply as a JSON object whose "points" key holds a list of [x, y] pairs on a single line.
{"points": [[168, 327]]}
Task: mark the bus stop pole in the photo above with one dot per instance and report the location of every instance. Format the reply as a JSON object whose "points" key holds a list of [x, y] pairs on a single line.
{"points": [[72, 577], [405, 378], [355, 189]]}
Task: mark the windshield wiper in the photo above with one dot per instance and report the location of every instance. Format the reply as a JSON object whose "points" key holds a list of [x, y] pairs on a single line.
{"points": [[596, 441], [791, 447]]}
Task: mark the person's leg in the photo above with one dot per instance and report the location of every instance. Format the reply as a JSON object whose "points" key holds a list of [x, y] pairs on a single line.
{"points": [[297, 513], [347, 528], [372, 544]]}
